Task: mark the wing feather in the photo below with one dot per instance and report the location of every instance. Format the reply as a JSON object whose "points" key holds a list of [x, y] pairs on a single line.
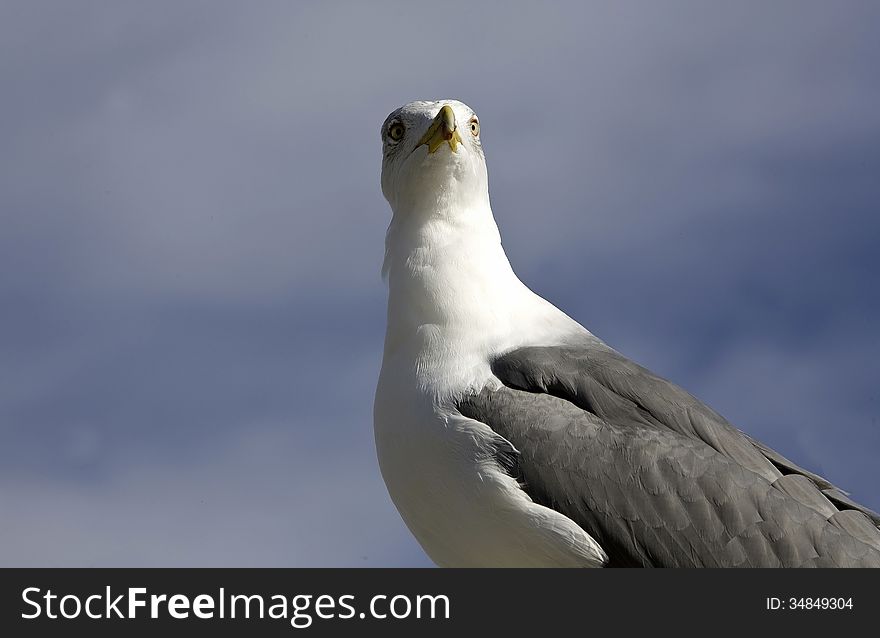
{"points": [[656, 476]]}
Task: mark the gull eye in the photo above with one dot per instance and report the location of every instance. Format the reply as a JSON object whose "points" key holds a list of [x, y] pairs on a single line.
{"points": [[395, 131], [475, 127]]}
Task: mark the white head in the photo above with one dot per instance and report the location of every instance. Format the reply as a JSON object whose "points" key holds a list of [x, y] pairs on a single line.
{"points": [[432, 158]]}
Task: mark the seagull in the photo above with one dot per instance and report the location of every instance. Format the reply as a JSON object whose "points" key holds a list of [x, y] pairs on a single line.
{"points": [[508, 435]]}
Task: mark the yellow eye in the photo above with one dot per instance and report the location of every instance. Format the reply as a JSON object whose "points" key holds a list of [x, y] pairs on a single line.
{"points": [[475, 127], [395, 131]]}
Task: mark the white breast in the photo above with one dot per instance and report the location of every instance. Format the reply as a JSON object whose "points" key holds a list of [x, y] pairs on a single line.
{"points": [[453, 303], [464, 512]]}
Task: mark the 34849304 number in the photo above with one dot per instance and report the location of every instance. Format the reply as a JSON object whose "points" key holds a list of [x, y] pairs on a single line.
{"points": [[807, 603]]}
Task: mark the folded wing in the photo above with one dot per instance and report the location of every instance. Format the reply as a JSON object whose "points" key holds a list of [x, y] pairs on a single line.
{"points": [[656, 476]]}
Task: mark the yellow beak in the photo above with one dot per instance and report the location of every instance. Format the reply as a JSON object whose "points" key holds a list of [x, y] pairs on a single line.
{"points": [[442, 129]]}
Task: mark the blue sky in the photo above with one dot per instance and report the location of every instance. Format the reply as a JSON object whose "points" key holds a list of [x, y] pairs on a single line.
{"points": [[191, 233]]}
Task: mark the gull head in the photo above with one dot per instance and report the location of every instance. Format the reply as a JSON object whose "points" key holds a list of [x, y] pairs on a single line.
{"points": [[432, 158]]}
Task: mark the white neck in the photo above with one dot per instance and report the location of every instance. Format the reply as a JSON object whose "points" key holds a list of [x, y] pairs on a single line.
{"points": [[446, 269], [453, 296]]}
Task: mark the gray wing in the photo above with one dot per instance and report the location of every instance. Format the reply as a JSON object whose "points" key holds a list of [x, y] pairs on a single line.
{"points": [[656, 476]]}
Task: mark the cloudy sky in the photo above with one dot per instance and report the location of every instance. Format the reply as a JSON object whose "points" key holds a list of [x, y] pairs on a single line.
{"points": [[191, 233]]}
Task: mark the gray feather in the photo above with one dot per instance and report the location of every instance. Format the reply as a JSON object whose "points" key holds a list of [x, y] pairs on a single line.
{"points": [[657, 477], [837, 496]]}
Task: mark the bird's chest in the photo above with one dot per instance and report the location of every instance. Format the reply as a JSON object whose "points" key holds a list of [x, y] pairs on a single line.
{"points": [[416, 444], [428, 458]]}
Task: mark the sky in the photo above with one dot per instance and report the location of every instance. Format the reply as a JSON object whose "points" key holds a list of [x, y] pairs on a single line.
{"points": [[192, 229]]}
